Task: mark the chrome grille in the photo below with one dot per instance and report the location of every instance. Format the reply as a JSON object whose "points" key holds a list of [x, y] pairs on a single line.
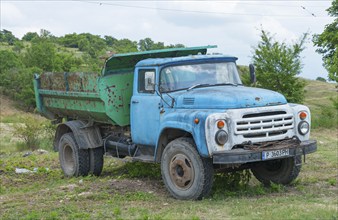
{"points": [[264, 124]]}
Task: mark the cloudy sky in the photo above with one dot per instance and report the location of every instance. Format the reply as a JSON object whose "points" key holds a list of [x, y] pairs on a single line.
{"points": [[232, 25]]}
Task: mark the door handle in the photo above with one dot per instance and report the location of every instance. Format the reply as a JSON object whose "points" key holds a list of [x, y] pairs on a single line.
{"points": [[134, 101]]}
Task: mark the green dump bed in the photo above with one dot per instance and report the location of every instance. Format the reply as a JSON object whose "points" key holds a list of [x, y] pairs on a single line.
{"points": [[104, 97]]}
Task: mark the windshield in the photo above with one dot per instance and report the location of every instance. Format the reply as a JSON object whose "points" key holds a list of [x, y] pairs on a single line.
{"points": [[196, 75]]}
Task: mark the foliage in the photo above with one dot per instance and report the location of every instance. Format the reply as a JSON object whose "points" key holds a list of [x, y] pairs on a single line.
{"points": [[18, 85], [110, 41], [236, 180], [125, 46], [41, 54], [29, 130], [244, 75], [44, 52], [18, 46], [7, 37], [149, 44], [320, 79], [29, 36], [9, 60], [277, 65], [34, 132], [327, 43]]}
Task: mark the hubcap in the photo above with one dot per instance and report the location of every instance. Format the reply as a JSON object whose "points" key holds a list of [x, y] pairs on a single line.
{"points": [[181, 171]]}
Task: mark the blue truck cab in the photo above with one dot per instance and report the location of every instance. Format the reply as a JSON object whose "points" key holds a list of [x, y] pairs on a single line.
{"points": [[182, 108], [197, 103]]}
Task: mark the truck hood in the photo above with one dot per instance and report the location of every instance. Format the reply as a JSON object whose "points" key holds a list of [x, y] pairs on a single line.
{"points": [[226, 97]]}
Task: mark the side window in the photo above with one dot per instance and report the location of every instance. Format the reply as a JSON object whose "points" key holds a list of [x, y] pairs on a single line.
{"points": [[146, 81]]}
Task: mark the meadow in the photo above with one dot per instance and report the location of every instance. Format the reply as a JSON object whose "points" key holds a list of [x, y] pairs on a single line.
{"points": [[128, 190]]}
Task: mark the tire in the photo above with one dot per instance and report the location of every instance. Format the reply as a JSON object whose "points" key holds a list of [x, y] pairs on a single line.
{"points": [[282, 171], [186, 175], [74, 161], [96, 161]]}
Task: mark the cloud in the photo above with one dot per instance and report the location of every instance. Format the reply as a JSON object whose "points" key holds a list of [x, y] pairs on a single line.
{"points": [[196, 15], [234, 34], [275, 27], [11, 14]]}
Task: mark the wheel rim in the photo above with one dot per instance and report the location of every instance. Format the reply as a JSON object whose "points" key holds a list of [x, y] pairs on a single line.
{"points": [[181, 171], [69, 159]]}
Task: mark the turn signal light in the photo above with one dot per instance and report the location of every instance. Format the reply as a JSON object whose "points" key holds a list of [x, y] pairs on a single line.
{"points": [[302, 115], [196, 120], [220, 124]]}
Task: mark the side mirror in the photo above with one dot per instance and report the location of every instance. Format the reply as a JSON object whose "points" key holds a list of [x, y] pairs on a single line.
{"points": [[252, 73]]}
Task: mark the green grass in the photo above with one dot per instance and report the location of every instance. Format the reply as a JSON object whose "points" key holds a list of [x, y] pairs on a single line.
{"points": [[319, 98], [135, 190], [122, 192]]}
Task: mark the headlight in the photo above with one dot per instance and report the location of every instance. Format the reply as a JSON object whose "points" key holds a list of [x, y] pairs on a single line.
{"points": [[303, 127], [221, 137]]}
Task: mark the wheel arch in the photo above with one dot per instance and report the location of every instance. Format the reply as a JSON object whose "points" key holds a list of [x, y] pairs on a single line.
{"points": [[86, 135], [167, 135]]}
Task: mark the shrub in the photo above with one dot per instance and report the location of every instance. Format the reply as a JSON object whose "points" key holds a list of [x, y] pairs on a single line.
{"points": [[34, 133], [277, 66]]}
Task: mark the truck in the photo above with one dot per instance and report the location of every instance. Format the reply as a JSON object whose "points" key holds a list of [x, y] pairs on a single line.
{"points": [[180, 107]]}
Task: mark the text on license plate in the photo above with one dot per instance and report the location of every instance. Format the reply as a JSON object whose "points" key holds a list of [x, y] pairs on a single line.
{"points": [[275, 154]]}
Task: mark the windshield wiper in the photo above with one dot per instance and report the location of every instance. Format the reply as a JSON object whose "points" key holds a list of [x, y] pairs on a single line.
{"points": [[197, 85], [226, 84]]}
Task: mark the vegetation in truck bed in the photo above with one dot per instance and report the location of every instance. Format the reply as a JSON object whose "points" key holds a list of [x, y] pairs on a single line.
{"points": [[135, 191]]}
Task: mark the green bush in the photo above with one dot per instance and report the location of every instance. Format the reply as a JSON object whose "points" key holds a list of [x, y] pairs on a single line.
{"points": [[34, 133], [277, 66]]}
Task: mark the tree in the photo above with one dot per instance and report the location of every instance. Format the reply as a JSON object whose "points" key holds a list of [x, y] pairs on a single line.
{"points": [[125, 46], [110, 41], [176, 46], [327, 43], [244, 74], [9, 60], [148, 44], [70, 40], [320, 79], [29, 36], [7, 36], [18, 46], [278, 64], [41, 54]]}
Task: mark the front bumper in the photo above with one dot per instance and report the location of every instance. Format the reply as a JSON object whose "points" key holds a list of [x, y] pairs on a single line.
{"points": [[240, 156]]}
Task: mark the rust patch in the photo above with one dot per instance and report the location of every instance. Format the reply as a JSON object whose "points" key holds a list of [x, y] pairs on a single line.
{"points": [[273, 145]]}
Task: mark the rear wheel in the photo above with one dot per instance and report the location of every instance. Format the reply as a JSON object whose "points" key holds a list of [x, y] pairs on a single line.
{"points": [[282, 171], [185, 174], [74, 161], [96, 161]]}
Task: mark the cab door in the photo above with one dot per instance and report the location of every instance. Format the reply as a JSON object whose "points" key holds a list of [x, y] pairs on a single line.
{"points": [[145, 111]]}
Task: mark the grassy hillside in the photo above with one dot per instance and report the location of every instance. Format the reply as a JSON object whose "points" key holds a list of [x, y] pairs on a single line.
{"points": [[319, 98], [135, 190], [318, 94]]}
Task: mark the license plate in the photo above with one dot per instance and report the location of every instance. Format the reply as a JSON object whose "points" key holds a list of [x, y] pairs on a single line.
{"points": [[275, 154]]}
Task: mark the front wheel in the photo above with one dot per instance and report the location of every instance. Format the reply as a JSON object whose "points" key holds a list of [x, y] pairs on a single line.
{"points": [[185, 174], [74, 161], [282, 171]]}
